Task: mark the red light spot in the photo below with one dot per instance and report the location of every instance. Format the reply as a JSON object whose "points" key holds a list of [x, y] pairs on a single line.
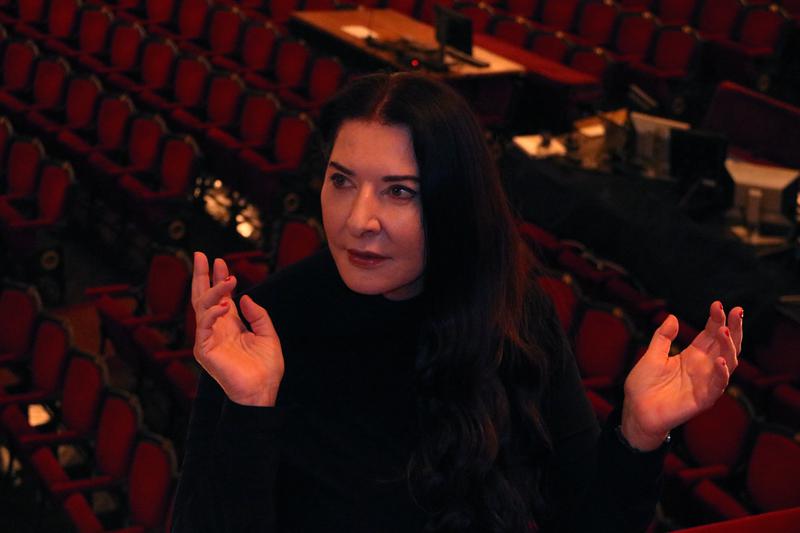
{"points": [[415, 63]]}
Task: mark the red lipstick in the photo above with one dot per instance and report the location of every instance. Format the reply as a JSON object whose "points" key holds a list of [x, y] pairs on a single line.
{"points": [[365, 259]]}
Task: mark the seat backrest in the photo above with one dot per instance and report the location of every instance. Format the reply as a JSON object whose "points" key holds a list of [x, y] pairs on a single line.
{"points": [[258, 45], [719, 436], [592, 61], [563, 295], [773, 473], [55, 180], [22, 165], [167, 282], [761, 26], [119, 422], [222, 98], [225, 26], [602, 343], [257, 117], [281, 10], [19, 307], [513, 30], [51, 345], [674, 48], [298, 240], [595, 21], [558, 14], [83, 94], [318, 5], [292, 136], [125, 39], [675, 11], [178, 163], [19, 59], [291, 61], [523, 8], [160, 11], [84, 381], [157, 61], [62, 18], [31, 11], [50, 81], [633, 33], [145, 132], [190, 80], [553, 46], [113, 114], [150, 483], [94, 24], [325, 78], [717, 17], [191, 18]]}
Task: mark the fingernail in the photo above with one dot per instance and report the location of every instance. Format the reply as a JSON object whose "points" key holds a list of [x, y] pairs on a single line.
{"points": [[741, 315]]}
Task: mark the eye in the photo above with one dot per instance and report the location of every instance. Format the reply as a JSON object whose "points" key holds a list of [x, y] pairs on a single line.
{"points": [[338, 180], [401, 192]]}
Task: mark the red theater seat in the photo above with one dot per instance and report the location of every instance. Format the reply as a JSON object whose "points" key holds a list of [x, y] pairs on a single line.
{"points": [[675, 11], [255, 49], [19, 307], [23, 157], [89, 35], [716, 18], [772, 480], [218, 107], [523, 8], [632, 36], [190, 76], [513, 30], [603, 347], [325, 76], [595, 22]]}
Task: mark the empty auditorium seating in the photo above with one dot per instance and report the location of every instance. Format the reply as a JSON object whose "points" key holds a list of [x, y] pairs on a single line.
{"points": [[150, 483], [772, 480], [325, 75], [217, 109], [595, 22], [186, 89], [716, 18], [162, 298]]}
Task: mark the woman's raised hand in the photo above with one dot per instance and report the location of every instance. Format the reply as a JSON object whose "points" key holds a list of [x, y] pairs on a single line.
{"points": [[248, 365], [662, 392]]}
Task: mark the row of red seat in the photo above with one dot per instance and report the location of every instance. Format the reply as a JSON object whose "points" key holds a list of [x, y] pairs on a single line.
{"points": [[726, 463], [104, 425]]}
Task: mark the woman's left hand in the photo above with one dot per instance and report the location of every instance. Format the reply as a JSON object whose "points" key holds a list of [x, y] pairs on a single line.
{"points": [[662, 392]]}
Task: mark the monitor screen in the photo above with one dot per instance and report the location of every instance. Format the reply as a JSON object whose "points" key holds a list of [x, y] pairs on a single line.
{"points": [[453, 29]]}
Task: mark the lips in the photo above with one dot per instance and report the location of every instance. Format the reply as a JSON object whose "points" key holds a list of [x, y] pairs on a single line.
{"points": [[365, 259]]}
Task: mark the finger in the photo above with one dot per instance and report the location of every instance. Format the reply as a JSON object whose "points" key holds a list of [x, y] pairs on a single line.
{"points": [[220, 270], [258, 317], [663, 337], [206, 321], [736, 325], [200, 283], [716, 318], [215, 294], [719, 381], [727, 349]]}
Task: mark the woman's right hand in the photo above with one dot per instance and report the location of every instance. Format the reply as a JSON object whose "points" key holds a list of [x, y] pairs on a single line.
{"points": [[248, 365]]}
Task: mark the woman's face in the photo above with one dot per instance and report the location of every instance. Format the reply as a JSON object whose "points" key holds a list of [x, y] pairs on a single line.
{"points": [[371, 210]]}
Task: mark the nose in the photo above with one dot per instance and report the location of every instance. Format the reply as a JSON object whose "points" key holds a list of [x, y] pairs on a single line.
{"points": [[363, 218]]}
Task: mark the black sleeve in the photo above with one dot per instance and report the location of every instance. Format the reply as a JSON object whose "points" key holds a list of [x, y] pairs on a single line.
{"points": [[229, 467], [597, 482]]}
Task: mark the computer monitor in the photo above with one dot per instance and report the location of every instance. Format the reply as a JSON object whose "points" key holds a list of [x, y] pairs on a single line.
{"points": [[697, 162], [453, 29], [653, 139]]}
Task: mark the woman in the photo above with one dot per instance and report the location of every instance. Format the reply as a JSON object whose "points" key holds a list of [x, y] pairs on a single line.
{"points": [[412, 377]]}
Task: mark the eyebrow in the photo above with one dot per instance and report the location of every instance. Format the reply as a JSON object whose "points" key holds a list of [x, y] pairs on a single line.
{"points": [[390, 178]]}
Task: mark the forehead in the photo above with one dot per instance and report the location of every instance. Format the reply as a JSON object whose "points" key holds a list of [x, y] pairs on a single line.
{"points": [[369, 147]]}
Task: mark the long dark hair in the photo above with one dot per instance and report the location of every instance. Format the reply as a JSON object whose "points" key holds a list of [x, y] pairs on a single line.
{"points": [[481, 369]]}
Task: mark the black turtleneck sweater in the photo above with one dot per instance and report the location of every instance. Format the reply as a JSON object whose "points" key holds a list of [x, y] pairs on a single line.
{"points": [[332, 455]]}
